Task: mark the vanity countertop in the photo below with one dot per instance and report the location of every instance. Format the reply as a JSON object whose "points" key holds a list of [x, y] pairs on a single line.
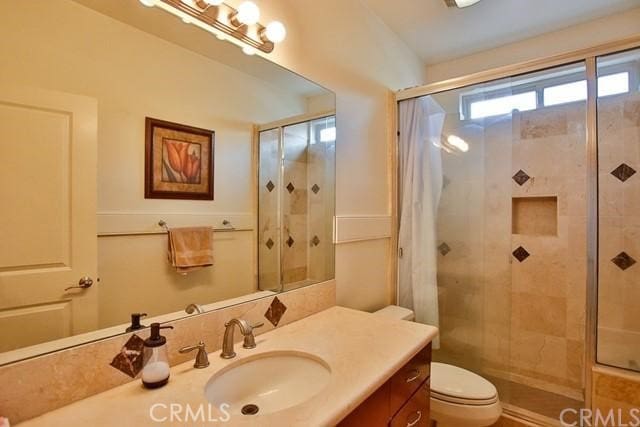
{"points": [[362, 350]]}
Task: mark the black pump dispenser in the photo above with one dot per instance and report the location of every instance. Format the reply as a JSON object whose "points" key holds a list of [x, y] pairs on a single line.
{"points": [[155, 339], [135, 322]]}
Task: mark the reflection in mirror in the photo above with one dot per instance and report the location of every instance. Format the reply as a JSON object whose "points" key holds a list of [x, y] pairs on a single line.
{"points": [[83, 249]]}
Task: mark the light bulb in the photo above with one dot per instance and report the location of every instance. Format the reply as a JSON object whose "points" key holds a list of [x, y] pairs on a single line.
{"points": [[466, 3], [213, 2], [248, 13], [220, 36], [248, 50], [148, 3], [275, 32]]}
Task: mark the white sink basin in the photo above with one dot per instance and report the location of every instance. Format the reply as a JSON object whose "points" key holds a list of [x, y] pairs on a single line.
{"points": [[268, 382]]}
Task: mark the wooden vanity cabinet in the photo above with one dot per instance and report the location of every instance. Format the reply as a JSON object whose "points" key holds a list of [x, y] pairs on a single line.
{"points": [[403, 401]]}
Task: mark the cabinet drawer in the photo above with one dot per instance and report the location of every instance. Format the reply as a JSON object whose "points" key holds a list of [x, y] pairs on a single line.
{"points": [[407, 380], [415, 413]]}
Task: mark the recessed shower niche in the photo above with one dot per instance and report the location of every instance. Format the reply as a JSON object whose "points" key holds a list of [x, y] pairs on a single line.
{"points": [[534, 216]]}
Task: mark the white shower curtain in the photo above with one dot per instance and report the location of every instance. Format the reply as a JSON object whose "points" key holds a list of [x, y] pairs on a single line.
{"points": [[421, 123]]}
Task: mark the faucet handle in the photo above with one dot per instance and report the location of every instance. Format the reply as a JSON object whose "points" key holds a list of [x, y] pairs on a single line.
{"points": [[249, 338], [202, 358]]}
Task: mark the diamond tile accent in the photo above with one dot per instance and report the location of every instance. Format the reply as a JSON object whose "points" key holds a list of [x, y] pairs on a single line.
{"points": [[290, 241], [444, 248], [131, 356], [521, 177], [521, 254], [269, 243], [315, 188], [270, 186], [623, 172], [275, 311], [315, 241], [290, 188], [623, 260]]}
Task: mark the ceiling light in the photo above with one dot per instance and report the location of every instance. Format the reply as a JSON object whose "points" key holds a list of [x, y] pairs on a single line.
{"points": [[248, 13], [460, 3], [148, 3], [275, 32]]}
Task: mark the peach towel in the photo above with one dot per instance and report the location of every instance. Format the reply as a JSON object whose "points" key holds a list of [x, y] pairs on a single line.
{"points": [[190, 248]]}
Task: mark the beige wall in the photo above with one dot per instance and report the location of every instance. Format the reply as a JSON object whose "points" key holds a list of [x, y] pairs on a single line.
{"points": [[132, 75], [580, 36], [343, 46]]}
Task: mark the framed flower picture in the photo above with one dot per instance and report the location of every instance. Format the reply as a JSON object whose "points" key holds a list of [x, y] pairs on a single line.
{"points": [[178, 161]]}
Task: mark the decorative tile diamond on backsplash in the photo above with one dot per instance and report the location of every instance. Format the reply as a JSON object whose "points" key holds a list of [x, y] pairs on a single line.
{"points": [[444, 248], [270, 186], [269, 243], [275, 311], [623, 260], [623, 172], [131, 357], [521, 177], [290, 241], [315, 188], [290, 188], [521, 254], [315, 241]]}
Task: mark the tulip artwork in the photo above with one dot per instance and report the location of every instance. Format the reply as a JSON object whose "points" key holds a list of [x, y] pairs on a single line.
{"points": [[179, 161]]}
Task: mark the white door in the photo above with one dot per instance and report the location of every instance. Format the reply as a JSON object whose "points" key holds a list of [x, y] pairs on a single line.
{"points": [[47, 215]]}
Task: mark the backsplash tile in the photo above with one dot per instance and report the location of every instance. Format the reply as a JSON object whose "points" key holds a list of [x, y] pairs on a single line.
{"points": [[61, 378], [131, 357], [270, 186], [275, 311], [444, 248], [521, 177]]}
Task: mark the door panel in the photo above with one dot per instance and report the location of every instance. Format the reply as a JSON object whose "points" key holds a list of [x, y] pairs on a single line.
{"points": [[47, 224]]}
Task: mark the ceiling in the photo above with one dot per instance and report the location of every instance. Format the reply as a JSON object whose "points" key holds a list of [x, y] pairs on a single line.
{"points": [[437, 33]]}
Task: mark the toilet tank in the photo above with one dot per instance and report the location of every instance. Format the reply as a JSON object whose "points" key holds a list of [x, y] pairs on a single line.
{"points": [[396, 312]]}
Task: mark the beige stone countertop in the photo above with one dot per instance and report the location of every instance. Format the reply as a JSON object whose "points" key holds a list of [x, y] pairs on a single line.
{"points": [[362, 350]]}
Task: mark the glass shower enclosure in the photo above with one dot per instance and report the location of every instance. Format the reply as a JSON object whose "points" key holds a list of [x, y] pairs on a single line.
{"points": [[516, 227], [296, 201]]}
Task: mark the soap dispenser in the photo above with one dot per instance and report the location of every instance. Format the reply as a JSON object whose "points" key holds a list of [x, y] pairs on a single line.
{"points": [[156, 370], [135, 322]]}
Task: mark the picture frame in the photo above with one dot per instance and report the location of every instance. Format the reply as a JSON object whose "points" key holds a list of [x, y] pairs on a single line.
{"points": [[179, 161]]}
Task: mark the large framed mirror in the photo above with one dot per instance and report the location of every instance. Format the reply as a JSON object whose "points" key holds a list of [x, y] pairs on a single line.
{"points": [[82, 247]]}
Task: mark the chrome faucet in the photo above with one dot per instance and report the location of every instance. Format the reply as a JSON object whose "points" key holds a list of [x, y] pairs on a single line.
{"points": [[202, 358], [194, 308], [247, 331]]}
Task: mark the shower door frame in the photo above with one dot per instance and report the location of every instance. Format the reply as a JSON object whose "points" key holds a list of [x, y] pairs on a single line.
{"points": [[589, 57]]}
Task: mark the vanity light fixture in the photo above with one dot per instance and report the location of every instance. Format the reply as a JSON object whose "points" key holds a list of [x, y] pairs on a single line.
{"points": [[460, 3], [239, 26]]}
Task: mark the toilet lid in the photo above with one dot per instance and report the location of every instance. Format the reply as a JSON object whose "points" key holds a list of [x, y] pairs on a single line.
{"points": [[457, 385]]}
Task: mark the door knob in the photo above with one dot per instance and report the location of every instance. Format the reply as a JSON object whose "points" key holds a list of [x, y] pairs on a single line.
{"points": [[84, 283]]}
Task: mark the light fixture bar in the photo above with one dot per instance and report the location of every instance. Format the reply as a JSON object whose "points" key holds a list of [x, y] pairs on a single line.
{"points": [[222, 18]]}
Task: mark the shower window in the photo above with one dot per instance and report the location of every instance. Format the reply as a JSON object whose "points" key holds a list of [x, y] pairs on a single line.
{"points": [[619, 216]]}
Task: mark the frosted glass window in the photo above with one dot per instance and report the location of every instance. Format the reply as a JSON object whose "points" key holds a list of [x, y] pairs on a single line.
{"points": [[503, 105], [612, 84]]}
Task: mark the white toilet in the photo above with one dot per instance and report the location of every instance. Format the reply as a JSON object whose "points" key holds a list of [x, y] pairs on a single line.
{"points": [[459, 398]]}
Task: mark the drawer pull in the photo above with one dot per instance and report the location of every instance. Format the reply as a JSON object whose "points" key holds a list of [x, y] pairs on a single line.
{"points": [[415, 376], [416, 421]]}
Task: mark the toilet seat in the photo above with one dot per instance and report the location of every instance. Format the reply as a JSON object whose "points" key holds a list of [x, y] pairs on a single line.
{"points": [[456, 385]]}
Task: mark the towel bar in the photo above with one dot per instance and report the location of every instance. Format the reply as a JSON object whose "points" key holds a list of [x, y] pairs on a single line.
{"points": [[162, 223]]}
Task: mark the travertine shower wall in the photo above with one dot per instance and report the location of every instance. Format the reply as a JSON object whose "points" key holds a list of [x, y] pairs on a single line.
{"points": [[619, 222], [513, 305]]}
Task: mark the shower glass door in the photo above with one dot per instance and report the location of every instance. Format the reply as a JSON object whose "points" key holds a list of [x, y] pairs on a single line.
{"points": [[511, 236]]}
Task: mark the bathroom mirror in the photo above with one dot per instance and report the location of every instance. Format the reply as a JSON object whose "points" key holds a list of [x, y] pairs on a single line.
{"points": [[82, 248]]}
